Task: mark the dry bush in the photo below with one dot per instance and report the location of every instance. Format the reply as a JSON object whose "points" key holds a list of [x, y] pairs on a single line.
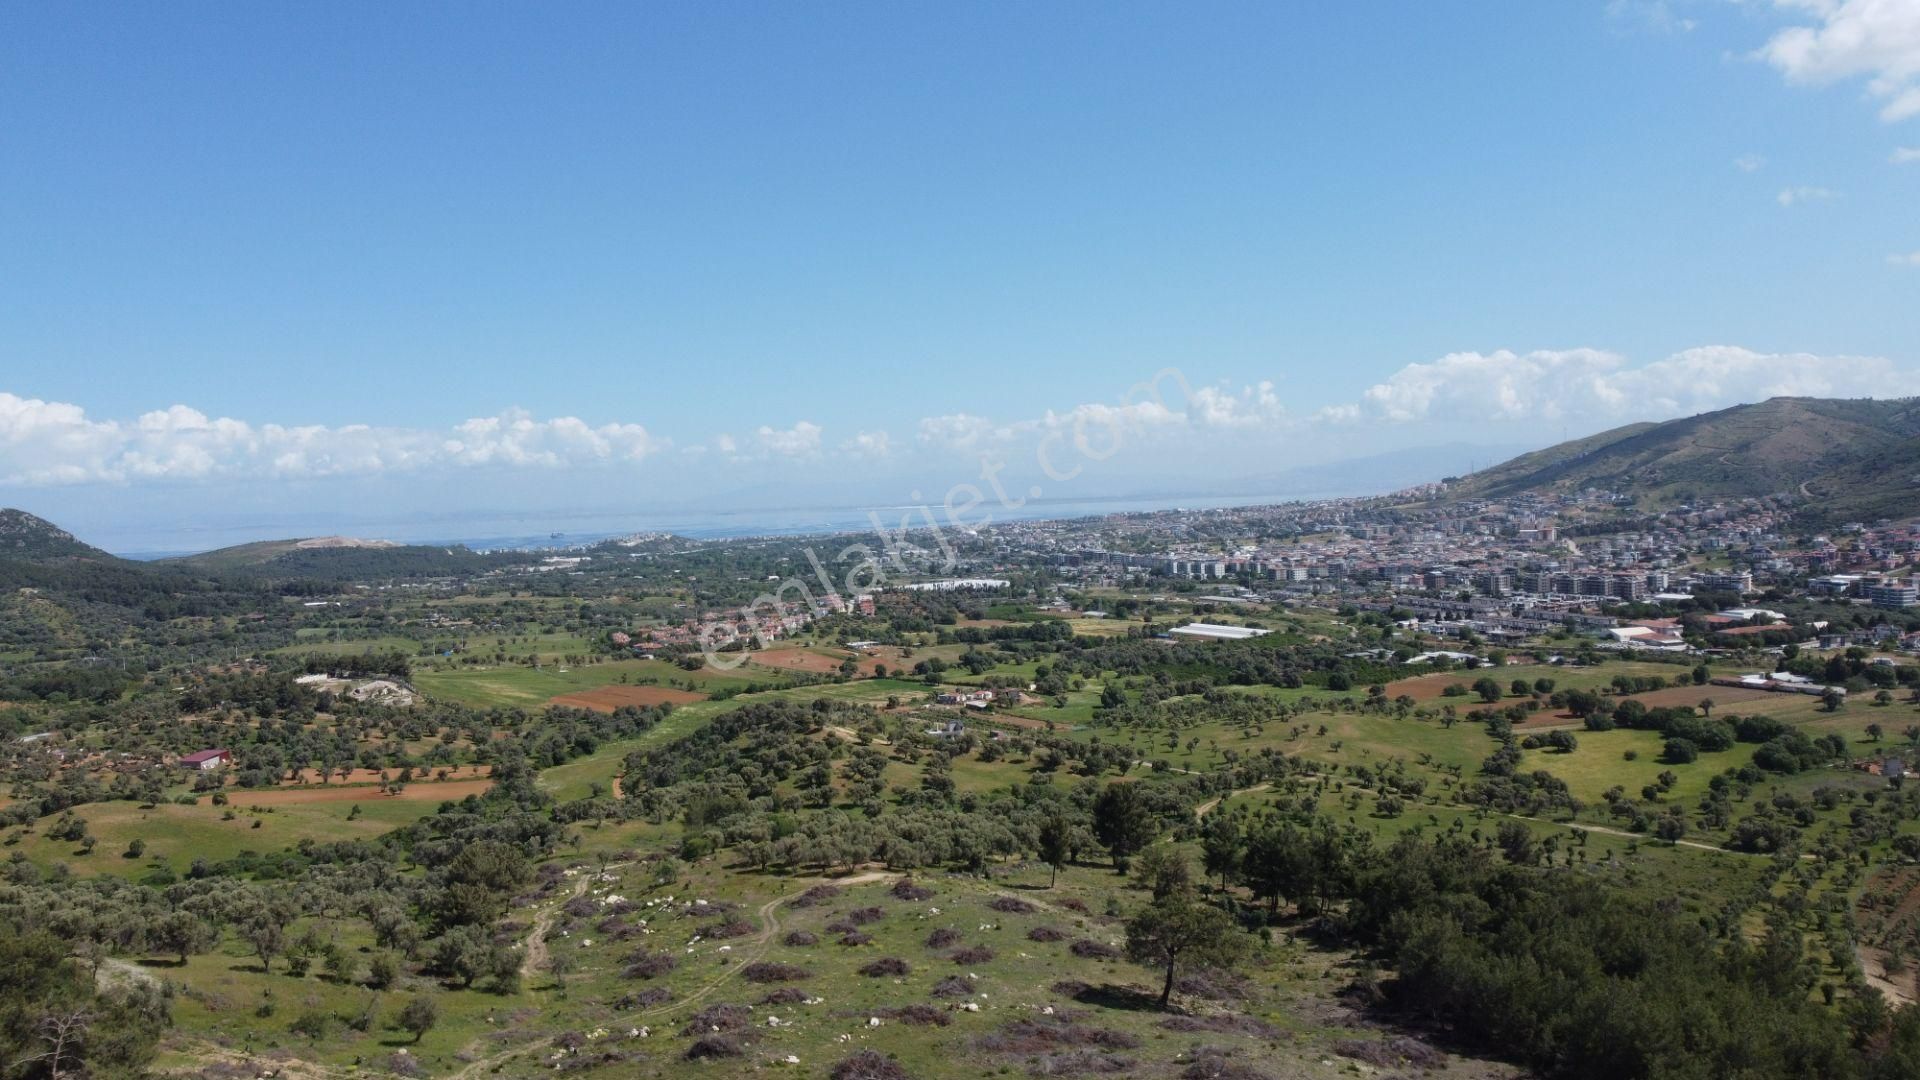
{"points": [[943, 938], [885, 967], [819, 894], [1088, 949], [648, 965], [1226, 1024], [798, 938], [868, 1065], [907, 889], [919, 1015], [953, 986], [1011, 905], [710, 1047], [719, 1019], [1218, 1063], [1391, 1053], [865, 915], [768, 972], [1049, 1034], [1216, 985], [1078, 1062], [1046, 934]]}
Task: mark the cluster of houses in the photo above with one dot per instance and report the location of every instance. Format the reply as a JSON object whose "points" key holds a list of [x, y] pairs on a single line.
{"points": [[979, 699]]}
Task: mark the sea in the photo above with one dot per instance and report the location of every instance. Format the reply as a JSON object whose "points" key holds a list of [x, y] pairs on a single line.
{"points": [[518, 530]]}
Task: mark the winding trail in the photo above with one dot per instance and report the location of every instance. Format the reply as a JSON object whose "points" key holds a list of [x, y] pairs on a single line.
{"points": [[756, 947], [1207, 807]]}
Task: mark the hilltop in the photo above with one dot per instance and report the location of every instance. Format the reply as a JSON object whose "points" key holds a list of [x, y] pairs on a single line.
{"points": [[24, 536], [1853, 458], [266, 551]]}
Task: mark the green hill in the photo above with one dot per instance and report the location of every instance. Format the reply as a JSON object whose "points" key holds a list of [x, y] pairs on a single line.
{"points": [[24, 537], [337, 559], [1854, 458]]}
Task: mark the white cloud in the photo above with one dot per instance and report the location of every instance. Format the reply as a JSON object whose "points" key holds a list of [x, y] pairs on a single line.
{"points": [[868, 444], [43, 442], [802, 439], [1911, 258], [1803, 194], [957, 431], [1594, 384], [1875, 39], [1163, 405], [1253, 406], [1131, 417], [1904, 155], [1749, 162]]}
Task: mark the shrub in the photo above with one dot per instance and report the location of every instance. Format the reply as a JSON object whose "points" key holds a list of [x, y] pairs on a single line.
{"points": [[819, 894], [732, 928], [942, 938], [718, 1019], [1046, 933], [865, 915], [855, 938], [885, 967], [919, 1015], [786, 995], [801, 938], [709, 1047], [868, 1065], [953, 986], [1088, 949], [648, 965], [1011, 905], [1219, 1063], [1391, 1053], [973, 954], [906, 889], [768, 972], [1038, 1036], [1227, 1024]]}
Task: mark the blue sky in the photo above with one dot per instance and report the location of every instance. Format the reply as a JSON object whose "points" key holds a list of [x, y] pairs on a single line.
{"points": [[697, 252]]}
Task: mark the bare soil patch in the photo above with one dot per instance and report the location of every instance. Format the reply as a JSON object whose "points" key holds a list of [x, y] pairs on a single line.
{"points": [[609, 698], [799, 660], [1424, 688]]}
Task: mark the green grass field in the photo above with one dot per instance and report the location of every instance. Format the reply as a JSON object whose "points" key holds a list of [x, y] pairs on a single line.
{"points": [[175, 835]]}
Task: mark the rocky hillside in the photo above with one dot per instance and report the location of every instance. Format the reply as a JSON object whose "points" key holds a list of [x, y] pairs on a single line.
{"points": [[1848, 458]]}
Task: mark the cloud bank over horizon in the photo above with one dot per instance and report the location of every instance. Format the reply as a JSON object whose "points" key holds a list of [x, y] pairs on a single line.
{"points": [[57, 444]]}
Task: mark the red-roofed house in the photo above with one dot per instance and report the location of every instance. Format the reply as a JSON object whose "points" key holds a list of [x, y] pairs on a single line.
{"points": [[207, 759]]}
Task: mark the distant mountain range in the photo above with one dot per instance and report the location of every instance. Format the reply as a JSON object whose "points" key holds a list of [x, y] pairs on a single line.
{"points": [[1852, 460]]}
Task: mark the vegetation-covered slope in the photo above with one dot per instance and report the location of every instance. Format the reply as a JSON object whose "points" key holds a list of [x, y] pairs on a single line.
{"points": [[1853, 457]]}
